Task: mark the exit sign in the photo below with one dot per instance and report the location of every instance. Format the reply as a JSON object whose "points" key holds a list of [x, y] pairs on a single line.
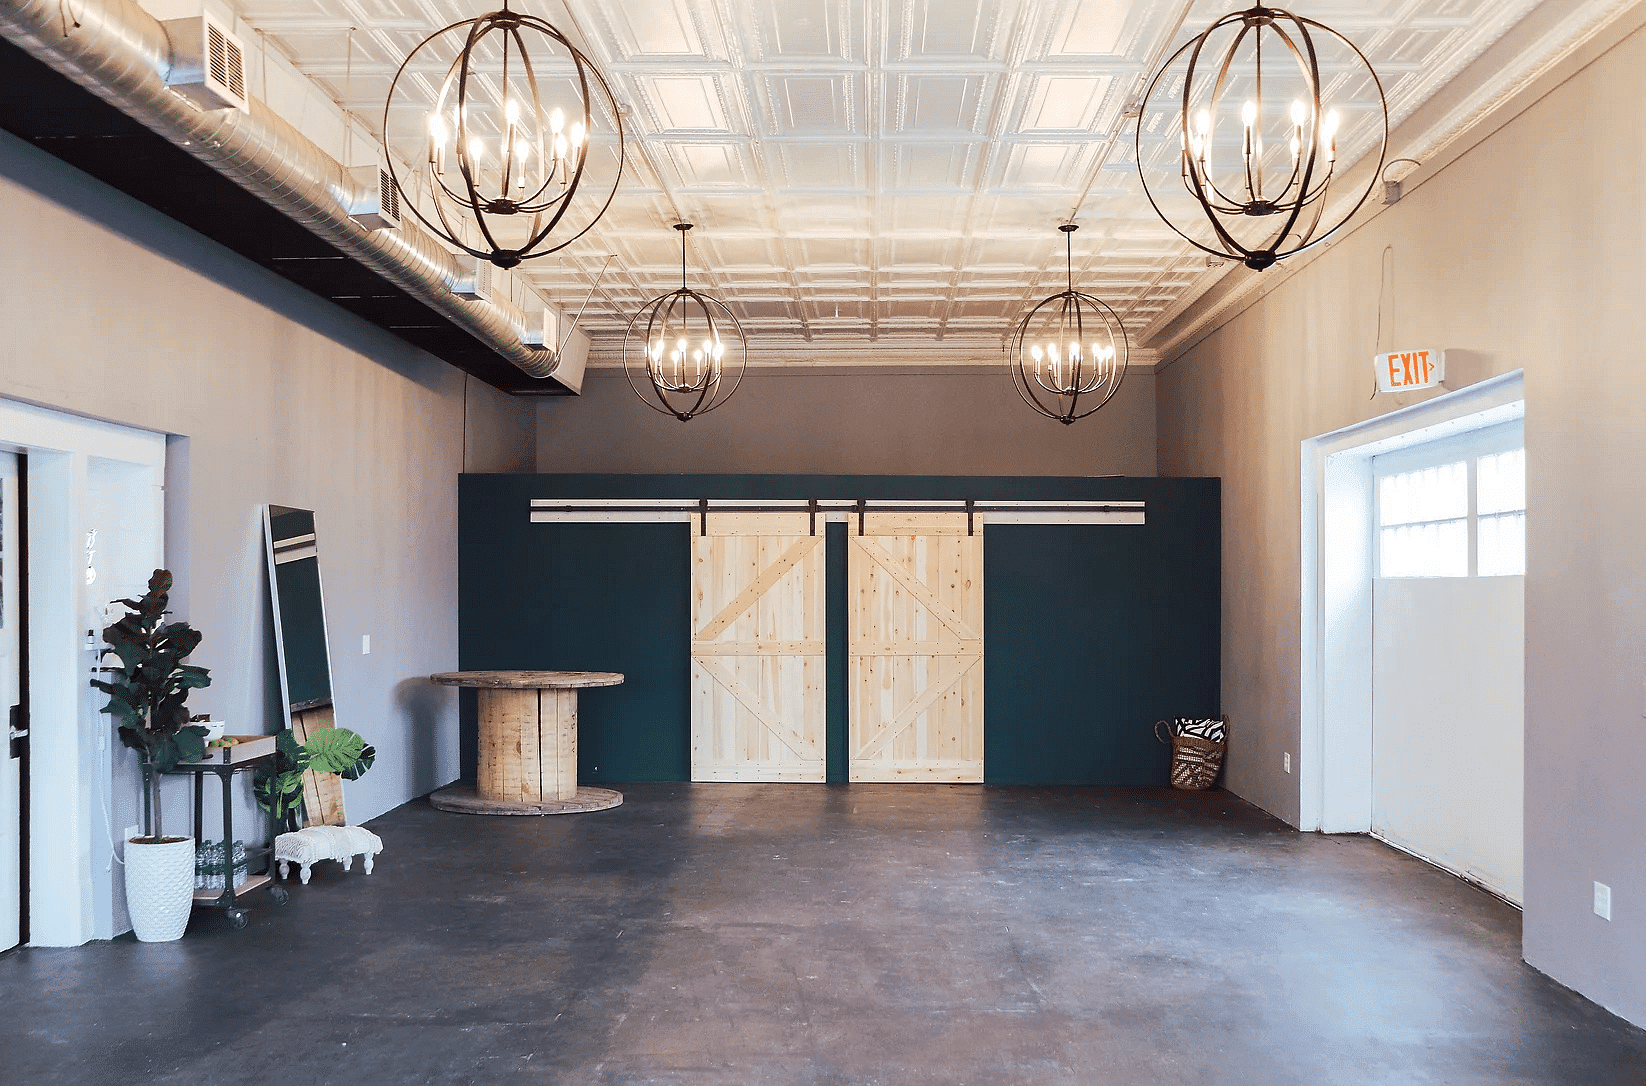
{"points": [[1400, 371]]}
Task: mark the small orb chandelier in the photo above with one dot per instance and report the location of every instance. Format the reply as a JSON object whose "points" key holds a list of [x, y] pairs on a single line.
{"points": [[1068, 354], [687, 348], [1256, 191], [505, 148]]}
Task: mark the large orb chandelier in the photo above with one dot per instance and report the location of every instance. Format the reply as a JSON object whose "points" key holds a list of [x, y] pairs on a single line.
{"points": [[513, 137], [1257, 139], [1068, 354], [686, 349]]}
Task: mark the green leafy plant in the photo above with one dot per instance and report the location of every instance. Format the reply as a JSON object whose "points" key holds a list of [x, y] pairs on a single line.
{"points": [[149, 689], [333, 750]]}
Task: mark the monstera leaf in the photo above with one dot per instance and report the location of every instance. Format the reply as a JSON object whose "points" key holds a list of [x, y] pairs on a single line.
{"points": [[340, 751]]}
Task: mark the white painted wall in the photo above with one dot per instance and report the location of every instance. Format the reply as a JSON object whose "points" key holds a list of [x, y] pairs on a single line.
{"points": [[268, 394], [1447, 723], [1526, 251]]}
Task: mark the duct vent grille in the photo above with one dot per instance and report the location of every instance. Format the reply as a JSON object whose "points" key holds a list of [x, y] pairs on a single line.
{"points": [[377, 207], [475, 278], [208, 63]]}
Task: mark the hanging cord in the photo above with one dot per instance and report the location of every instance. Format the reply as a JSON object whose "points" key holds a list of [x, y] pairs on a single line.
{"points": [[71, 21], [348, 96], [1385, 288]]}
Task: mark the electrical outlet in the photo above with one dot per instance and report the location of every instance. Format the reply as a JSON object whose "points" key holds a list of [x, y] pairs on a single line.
{"points": [[1603, 901], [130, 832], [1286, 761], [365, 644]]}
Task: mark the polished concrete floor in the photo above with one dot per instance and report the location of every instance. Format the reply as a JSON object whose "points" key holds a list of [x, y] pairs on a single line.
{"points": [[776, 934]]}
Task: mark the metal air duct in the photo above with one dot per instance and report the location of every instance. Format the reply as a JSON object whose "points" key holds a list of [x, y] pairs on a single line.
{"points": [[119, 52]]}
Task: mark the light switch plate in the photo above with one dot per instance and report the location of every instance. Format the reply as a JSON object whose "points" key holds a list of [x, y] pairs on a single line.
{"points": [[1603, 901], [365, 644], [1286, 761]]}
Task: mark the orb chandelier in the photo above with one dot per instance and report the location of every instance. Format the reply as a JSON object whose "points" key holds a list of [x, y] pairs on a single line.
{"points": [[1068, 354], [1258, 142], [522, 149], [685, 348]]}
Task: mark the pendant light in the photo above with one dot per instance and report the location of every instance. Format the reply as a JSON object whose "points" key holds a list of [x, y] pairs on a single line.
{"points": [[1257, 139], [1068, 354], [683, 352], [520, 150]]}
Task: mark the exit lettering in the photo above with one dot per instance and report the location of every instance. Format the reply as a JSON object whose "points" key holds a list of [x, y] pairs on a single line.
{"points": [[1401, 371]]}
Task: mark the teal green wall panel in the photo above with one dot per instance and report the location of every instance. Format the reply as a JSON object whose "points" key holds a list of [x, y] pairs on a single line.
{"points": [[1092, 632]]}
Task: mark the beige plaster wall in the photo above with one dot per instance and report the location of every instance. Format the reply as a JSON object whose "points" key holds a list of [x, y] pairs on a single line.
{"points": [[1529, 252], [849, 422]]}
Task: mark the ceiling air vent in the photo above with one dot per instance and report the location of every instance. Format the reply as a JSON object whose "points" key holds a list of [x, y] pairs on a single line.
{"points": [[208, 64], [378, 204], [547, 335], [474, 278]]}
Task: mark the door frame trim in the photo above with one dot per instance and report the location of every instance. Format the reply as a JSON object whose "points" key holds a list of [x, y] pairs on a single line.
{"points": [[1335, 699]]}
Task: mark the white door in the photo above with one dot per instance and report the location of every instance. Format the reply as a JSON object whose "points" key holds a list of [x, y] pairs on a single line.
{"points": [[10, 674], [1448, 645]]}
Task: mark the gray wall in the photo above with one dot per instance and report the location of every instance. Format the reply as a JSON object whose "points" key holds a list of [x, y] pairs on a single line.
{"points": [[271, 395], [843, 421], [1528, 252]]}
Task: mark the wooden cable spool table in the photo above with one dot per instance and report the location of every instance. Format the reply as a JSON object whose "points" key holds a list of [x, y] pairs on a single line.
{"points": [[528, 744]]}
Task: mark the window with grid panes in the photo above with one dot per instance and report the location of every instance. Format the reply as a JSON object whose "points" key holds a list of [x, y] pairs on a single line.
{"points": [[1453, 508]]}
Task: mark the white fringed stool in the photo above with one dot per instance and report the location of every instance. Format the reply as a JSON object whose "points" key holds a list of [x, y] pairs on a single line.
{"points": [[311, 844]]}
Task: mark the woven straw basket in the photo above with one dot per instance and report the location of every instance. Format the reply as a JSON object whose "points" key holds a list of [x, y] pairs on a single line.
{"points": [[1195, 761]]}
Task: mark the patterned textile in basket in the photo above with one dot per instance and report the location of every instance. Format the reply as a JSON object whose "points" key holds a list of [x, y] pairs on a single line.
{"points": [[1195, 761]]}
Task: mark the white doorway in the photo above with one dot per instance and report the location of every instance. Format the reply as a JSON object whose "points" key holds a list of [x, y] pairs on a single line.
{"points": [[1384, 758], [95, 517], [1448, 653]]}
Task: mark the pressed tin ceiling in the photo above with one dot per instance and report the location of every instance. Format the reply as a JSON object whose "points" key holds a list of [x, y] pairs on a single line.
{"points": [[886, 171]]}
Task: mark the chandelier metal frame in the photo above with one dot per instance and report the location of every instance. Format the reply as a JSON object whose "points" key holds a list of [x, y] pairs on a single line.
{"points": [[1069, 377], [561, 151], [680, 384], [1302, 199]]}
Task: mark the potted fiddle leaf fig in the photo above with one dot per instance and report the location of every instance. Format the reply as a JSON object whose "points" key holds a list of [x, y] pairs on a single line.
{"points": [[148, 691]]}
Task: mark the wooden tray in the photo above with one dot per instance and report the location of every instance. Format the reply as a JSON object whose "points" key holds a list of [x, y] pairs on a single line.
{"points": [[250, 746]]}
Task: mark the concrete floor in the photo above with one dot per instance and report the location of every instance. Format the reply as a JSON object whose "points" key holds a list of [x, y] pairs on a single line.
{"points": [[776, 934]]}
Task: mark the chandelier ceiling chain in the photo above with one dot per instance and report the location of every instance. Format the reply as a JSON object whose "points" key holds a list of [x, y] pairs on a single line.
{"points": [[1068, 354], [687, 346], [1261, 197], [518, 164]]}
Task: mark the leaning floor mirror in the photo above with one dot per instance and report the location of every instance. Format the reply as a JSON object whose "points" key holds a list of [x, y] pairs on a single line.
{"points": [[304, 662]]}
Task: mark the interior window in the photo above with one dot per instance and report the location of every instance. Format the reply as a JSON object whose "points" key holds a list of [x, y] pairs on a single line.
{"points": [[1463, 516]]}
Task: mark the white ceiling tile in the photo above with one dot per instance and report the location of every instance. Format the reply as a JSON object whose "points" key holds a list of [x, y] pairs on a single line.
{"points": [[819, 166], [656, 28], [701, 165], [930, 166], [946, 29], [938, 104], [1064, 103], [1089, 28], [687, 102]]}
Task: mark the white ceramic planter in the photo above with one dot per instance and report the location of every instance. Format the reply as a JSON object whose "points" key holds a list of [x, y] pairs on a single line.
{"points": [[160, 888]]}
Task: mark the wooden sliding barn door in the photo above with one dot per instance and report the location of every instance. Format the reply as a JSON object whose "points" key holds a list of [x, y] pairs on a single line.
{"points": [[915, 587], [758, 651]]}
